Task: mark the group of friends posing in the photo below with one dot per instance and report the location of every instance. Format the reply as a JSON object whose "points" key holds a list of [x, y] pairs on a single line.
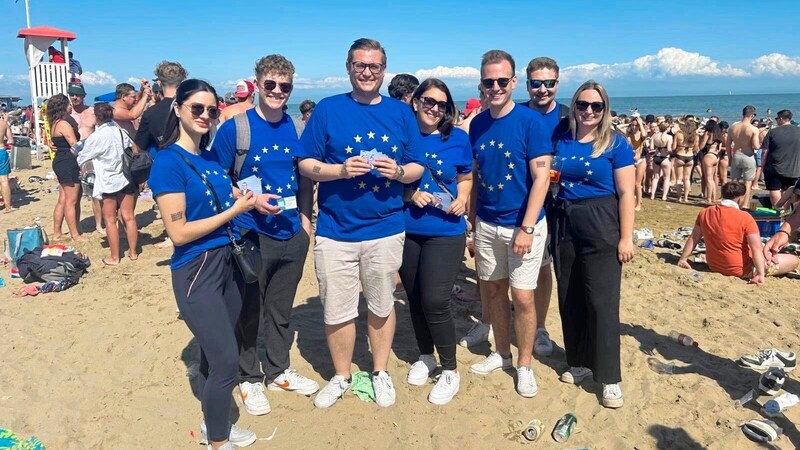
{"points": [[534, 182]]}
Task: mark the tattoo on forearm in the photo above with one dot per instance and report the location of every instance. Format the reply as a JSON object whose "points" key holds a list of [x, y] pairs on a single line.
{"points": [[177, 216], [540, 164], [316, 169]]}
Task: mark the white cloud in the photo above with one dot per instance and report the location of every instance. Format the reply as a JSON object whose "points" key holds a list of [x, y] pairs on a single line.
{"points": [[457, 72], [98, 78], [134, 81], [324, 83], [2, 76], [776, 64]]}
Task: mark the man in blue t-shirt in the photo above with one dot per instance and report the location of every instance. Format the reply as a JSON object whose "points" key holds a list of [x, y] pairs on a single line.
{"points": [[361, 147], [512, 153], [542, 86], [280, 230]]}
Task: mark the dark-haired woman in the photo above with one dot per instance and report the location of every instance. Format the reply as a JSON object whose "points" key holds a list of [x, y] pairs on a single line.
{"points": [[683, 161], [637, 138], [202, 264], [661, 143], [711, 148], [64, 134], [594, 237], [435, 227]]}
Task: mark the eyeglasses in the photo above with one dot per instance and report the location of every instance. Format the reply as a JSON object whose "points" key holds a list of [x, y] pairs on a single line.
{"points": [[198, 108], [269, 86], [488, 83], [536, 84], [596, 106], [428, 103], [360, 67]]}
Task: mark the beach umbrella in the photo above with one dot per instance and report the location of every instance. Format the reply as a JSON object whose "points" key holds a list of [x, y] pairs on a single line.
{"points": [[110, 97]]}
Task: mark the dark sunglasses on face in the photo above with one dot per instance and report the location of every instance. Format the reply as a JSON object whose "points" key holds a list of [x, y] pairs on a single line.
{"points": [[488, 83], [536, 84], [596, 106], [269, 86], [428, 103], [198, 108]]}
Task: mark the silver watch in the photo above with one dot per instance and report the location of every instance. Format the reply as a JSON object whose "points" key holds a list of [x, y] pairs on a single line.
{"points": [[527, 230]]}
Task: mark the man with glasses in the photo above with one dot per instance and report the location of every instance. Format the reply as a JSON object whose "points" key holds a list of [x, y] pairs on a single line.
{"points": [[130, 105], [280, 227], [512, 151], [361, 147]]}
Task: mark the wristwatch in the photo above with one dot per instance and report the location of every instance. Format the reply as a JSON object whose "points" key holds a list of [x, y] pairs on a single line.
{"points": [[527, 229]]}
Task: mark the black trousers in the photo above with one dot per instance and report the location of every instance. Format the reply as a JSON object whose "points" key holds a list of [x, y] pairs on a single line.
{"points": [[268, 306], [589, 274], [429, 270], [210, 301]]}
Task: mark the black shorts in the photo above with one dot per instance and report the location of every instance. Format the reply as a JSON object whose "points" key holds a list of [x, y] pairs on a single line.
{"points": [[129, 189], [776, 182], [65, 166]]}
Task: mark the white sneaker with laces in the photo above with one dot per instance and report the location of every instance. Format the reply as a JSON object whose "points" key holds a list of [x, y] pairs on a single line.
{"points": [[575, 375], [479, 333], [543, 346], [446, 387], [253, 398], [238, 436], [771, 357], [291, 380], [332, 392], [421, 370], [384, 389], [526, 382], [491, 363], [612, 396]]}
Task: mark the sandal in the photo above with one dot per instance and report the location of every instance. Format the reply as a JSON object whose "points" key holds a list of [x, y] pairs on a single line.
{"points": [[27, 290], [762, 430]]}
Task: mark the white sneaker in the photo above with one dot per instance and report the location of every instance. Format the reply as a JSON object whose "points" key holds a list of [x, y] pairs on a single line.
{"points": [[575, 375], [491, 363], [421, 370], [771, 357], [253, 398], [238, 436], [543, 346], [225, 446], [478, 334], [384, 389], [291, 380], [446, 387], [526, 382], [612, 396], [332, 392]]}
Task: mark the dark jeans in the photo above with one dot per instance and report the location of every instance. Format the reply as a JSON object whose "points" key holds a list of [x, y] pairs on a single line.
{"points": [[589, 275], [210, 301], [429, 270], [269, 303]]}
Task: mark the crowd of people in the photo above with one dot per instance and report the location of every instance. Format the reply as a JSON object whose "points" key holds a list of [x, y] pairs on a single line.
{"points": [[394, 189]]}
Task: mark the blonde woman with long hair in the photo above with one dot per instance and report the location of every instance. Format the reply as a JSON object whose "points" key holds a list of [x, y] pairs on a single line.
{"points": [[593, 237], [686, 140]]}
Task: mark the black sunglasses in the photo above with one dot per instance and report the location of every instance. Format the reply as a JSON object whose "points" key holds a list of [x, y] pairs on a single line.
{"points": [[536, 84], [596, 106], [428, 103], [198, 108], [269, 86], [488, 83]]}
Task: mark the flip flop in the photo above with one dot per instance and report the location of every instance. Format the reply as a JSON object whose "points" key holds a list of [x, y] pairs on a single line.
{"points": [[761, 430], [27, 290], [107, 264]]}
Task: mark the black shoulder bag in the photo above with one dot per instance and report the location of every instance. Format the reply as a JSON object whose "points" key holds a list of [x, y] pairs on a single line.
{"points": [[244, 253]]}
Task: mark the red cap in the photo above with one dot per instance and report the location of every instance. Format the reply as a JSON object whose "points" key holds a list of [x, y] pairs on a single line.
{"points": [[244, 89], [472, 104]]}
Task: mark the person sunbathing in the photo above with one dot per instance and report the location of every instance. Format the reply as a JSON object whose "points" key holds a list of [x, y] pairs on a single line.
{"points": [[733, 244]]}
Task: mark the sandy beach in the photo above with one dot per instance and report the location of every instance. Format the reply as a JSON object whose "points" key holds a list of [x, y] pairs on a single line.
{"points": [[108, 365]]}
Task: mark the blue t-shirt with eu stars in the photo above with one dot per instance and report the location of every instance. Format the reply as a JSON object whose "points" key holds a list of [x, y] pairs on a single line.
{"points": [[369, 206], [585, 177], [171, 174], [444, 161], [551, 119], [272, 159], [503, 147]]}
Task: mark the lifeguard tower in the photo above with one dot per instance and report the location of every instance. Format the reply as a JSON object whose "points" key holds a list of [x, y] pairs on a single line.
{"points": [[46, 78]]}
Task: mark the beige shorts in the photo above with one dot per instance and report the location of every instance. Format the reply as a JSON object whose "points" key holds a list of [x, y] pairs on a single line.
{"points": [[340, 266], [495, 258]]}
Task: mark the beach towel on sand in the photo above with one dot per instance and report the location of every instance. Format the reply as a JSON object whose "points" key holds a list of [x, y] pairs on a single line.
{"points": [[10, 441], [362, 386]]}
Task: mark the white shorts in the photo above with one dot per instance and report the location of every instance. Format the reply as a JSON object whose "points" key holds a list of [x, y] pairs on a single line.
{"points": [[495, 257], [341, 265]]}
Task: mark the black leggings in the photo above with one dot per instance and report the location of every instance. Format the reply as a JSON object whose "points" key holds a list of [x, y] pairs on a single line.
{"points": [[429, 270], [589, 275], [210, 302]]}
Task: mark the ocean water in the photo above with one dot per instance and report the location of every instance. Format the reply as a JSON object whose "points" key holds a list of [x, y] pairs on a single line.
{"points": [[726, 107]]}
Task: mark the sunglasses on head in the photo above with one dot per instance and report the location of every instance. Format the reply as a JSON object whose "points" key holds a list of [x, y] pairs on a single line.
{"points": [[596, 106], [197, 110], [536, 84], [488, 83], [428, 103], [269, 86]]}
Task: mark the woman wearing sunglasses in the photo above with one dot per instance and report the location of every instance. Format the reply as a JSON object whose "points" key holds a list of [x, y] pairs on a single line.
{"points": [[594, 237], [188, 189], [435, 227]]}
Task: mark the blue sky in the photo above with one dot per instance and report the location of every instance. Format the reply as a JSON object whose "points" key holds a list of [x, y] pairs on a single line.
{"points": [[634, 48]]}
